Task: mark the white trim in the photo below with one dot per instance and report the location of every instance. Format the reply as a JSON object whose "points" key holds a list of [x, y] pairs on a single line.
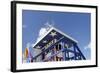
{"points": [[58, 32]]}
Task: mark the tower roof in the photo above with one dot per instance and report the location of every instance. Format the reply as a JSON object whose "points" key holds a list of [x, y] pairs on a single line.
{"points": [[53, 33]]}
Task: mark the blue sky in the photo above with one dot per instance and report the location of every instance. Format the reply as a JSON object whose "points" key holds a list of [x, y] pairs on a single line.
{"points": [[76, 25]]}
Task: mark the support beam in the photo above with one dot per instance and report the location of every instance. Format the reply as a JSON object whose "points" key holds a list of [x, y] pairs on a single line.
{"points": [[74, 53], [79, 51]]}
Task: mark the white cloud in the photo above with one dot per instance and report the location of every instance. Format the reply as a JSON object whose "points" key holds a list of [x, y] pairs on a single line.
{"points": [[42, 32], [88, 46]]}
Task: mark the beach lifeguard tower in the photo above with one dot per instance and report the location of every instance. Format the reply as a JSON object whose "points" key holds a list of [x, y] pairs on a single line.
{"points": [[57, 46]]}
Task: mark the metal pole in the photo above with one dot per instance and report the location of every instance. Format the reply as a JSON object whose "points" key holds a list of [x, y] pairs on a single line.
{"points": [[74, 52], [80, 51]]}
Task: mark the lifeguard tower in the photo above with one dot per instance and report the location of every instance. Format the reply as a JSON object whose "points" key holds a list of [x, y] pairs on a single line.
{"points": [[57, 46]]}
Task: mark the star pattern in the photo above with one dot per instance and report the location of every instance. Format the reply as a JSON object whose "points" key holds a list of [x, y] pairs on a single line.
{"points": [[53, 34], [44, 41], [38, 47]]}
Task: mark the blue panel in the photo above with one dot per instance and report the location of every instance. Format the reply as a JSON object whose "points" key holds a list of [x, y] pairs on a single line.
{"points": [[48, 38]]}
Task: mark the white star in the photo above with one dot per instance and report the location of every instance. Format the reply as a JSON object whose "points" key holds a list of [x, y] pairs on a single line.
{"points": [[37, 46], [44, 41], [53, 34]]}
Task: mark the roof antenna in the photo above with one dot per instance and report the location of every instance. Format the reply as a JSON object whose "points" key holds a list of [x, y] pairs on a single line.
{"points": [[49, 25]]}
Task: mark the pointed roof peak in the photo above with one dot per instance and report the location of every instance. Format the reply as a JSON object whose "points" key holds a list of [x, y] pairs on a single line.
{"points": [[56, 30]]}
